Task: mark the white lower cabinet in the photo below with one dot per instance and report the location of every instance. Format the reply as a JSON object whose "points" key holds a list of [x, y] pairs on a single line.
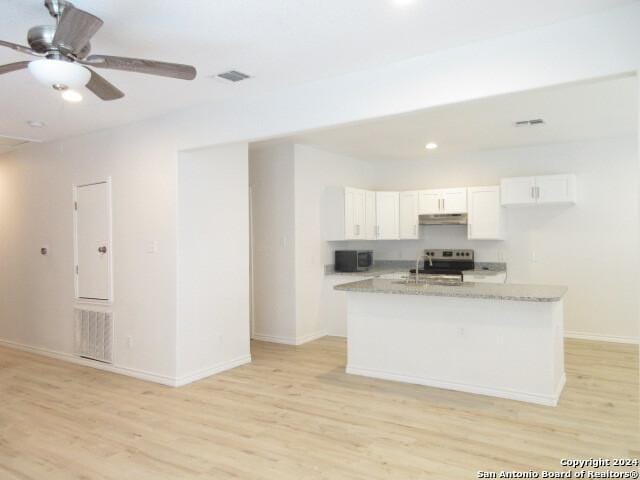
{"points": [[387, 215], [333, 307], [485, 218], [488, 277], [409, 215]]}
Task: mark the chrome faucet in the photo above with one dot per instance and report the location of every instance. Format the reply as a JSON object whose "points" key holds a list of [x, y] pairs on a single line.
{"points": [[422, 257]]}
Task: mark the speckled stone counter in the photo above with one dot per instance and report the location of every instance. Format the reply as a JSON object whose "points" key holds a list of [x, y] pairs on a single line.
{"points": [[514, 292], [380, 267]]}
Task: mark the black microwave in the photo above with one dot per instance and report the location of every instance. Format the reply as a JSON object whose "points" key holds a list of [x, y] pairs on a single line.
{"points": [[353, 260]]}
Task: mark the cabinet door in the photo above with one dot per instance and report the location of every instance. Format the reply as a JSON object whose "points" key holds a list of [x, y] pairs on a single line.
{"points": [[370, 215], [485, 213], [387, 215], [429, 202], [409, 215], [359, 213], [454, 200], [349, 210], [518, 191], [555, 189]]}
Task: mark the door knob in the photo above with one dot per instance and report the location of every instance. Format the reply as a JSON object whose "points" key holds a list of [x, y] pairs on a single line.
{"points": [[102, 249]]}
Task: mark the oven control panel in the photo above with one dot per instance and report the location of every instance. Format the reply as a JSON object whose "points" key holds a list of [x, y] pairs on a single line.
{"points": [[435, 254]]}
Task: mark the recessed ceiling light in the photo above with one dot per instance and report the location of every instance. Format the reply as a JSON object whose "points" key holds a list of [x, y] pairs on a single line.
{"points": [[36, 124], [71, 96], [431, 146]]}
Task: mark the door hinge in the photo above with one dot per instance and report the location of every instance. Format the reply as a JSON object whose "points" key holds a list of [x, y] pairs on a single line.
{"points": [[75, 205], [76, 269]]}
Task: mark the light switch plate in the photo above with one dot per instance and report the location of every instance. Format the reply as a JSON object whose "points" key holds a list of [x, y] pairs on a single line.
{"points": [[152, 247]]}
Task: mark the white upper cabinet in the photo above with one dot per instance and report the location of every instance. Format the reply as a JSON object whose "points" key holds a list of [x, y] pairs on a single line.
{"points": [[443, 201], [409, 215], [547, 189], [388, 215], [485, 220], [454, 200], [349, 214], [556, 189], [429, 202], [370, 215]]}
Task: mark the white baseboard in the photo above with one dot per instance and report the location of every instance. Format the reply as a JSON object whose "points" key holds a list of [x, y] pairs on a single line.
{"points": [[602, 338], [541, 399], [207, 372], [129, 372], [288, 340]]}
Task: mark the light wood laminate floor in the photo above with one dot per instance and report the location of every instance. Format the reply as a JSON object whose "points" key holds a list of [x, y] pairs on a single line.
{"points": [[294, 414]]}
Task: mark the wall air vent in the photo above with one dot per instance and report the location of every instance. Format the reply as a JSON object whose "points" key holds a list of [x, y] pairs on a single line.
{"points": [[94, 334], [529, 123], [232, 76]]}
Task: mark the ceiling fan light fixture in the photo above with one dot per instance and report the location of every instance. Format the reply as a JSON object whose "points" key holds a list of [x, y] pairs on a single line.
{"points": [[71, 96], [60, 74]]}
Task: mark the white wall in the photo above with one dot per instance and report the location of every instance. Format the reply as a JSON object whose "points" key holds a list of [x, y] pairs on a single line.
{"points": [[315, 170], [213, 260], [288, 183], [592, 247], [273, 232], [36, 208]]}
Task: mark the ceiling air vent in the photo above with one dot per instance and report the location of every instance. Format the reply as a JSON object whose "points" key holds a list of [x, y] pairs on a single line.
{"points": [[232, 76], [529, 123]]}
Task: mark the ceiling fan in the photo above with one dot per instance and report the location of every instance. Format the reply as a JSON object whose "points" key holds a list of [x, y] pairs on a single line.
{"points": [[65, 49]]}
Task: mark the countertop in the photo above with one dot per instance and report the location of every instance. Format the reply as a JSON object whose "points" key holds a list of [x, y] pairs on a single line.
{"points": [[514, 292], [385, 267]]}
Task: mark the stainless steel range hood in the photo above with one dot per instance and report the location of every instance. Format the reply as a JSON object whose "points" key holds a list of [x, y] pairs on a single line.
{"points": [[443, 219]]}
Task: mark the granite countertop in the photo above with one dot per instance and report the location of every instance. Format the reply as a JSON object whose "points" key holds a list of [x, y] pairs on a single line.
{"points": [[514, 292], [384, 267], [381, 267]]}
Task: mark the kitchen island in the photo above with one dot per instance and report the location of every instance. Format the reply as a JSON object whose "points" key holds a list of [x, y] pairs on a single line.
{"points": [[503, 340]]}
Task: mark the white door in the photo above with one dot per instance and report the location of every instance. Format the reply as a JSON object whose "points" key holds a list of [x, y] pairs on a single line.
{"points": [[93, 246], [485, 213], [518, 190], [555, 189], [430, 201], [387, 215], [409, 214], [370, 215], [454, 200]]}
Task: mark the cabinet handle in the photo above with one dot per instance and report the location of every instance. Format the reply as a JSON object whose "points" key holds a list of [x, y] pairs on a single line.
{"points": [[533, 192], [537, 192], [443, 207]]}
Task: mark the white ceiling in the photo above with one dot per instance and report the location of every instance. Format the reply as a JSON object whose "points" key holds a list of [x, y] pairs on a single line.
{"points": [[584, 111], [279, 42]]}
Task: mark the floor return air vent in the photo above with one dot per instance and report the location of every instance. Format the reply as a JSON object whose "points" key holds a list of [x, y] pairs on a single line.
{"points": [[94, 334]]}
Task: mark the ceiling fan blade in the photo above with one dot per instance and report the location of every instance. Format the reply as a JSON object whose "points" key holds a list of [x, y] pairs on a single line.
{"points": [[138, 65], [18, 48], [75, 29], [102, 88], [12, 67]]}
